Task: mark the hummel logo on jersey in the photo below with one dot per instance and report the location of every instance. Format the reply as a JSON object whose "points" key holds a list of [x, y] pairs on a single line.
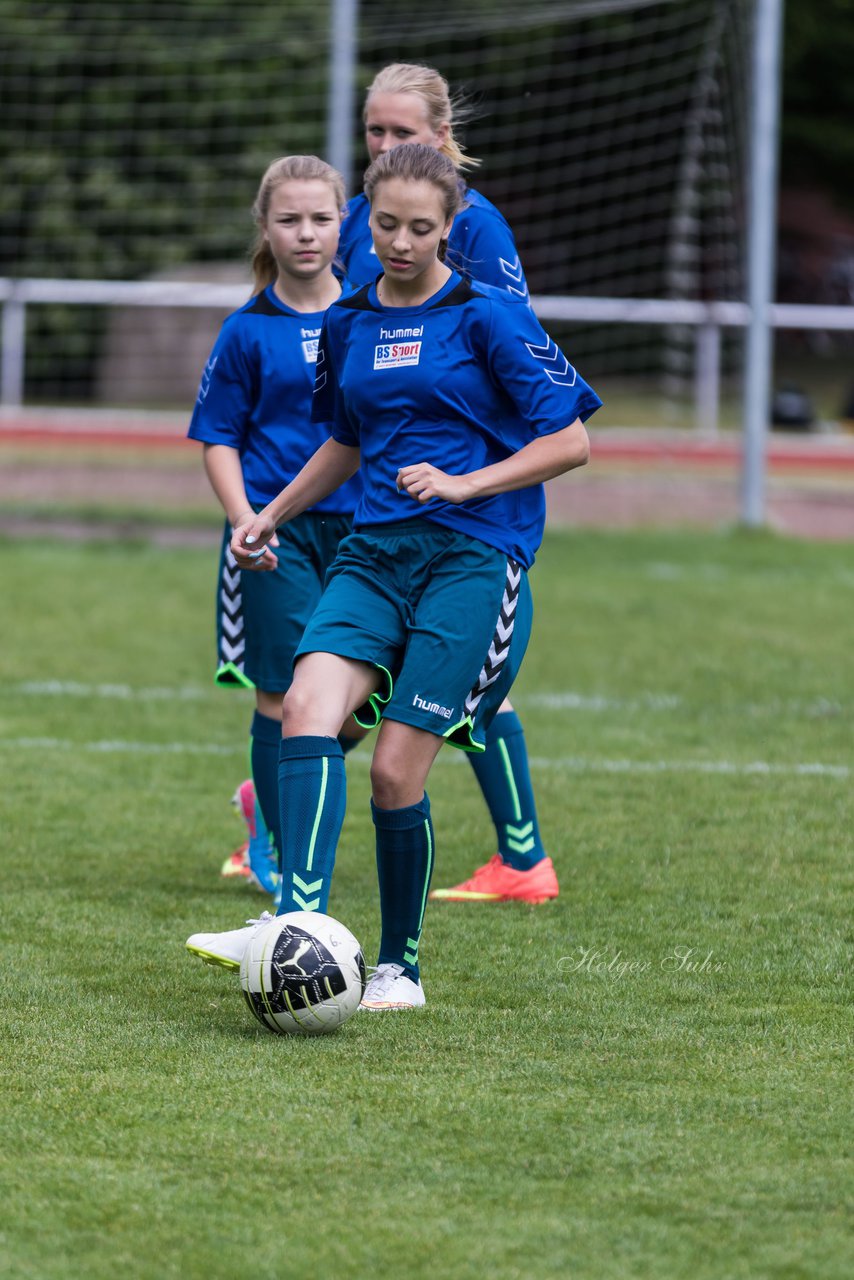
{"points": [[389, 335], [555, 364], [514, 271], [433, 707], [390, 355], [205, 384]]}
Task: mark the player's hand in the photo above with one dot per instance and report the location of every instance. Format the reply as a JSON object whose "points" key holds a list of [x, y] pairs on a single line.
{"points": [[252, 541], [423, 482]]}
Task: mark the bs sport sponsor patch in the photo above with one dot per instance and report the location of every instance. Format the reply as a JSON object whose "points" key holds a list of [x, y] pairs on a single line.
{"points": [[310, 339], [398, 347]]}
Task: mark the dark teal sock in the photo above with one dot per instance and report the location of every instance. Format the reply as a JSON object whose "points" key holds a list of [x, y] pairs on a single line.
{"points": [[265, 740], [505, 780], [404, 867], [266, 737], [312, 799]]}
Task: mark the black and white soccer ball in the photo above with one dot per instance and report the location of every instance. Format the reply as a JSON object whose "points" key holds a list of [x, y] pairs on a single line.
{"points": [[303, 973]]}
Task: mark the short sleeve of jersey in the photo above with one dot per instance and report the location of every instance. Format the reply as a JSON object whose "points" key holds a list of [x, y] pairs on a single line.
{"points": [[356, 257], [532, 370], [226, 393], [327, 403], [481, 246]]}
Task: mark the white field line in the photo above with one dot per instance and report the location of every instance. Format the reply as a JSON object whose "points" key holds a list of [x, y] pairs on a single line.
{"points": [[579, 764], [665, 571], [560, 764], [118, 746], [121, 692], [565, 700], [569, 701]]}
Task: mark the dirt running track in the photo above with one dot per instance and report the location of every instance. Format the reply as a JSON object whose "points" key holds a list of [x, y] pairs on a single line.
{"points": [[133, 463]]}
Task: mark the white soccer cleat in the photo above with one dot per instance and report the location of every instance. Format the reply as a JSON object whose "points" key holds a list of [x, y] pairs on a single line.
{"points": [[389, 987], [225, 949]]}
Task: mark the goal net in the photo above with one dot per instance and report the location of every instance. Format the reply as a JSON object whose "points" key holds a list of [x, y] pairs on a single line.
{"points": [[611, 134], [613, 138]]}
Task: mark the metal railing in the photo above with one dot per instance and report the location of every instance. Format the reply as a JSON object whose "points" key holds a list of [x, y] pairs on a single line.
{"points": [[708, 319]]}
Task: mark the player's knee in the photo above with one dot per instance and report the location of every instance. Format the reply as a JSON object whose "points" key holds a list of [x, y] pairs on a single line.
{"points": [[390, 782], [297, 712]]}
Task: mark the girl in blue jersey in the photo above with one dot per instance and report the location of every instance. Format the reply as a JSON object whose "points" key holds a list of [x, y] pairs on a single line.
{"points": [[458, 406], [412, 103], [253, 415]]}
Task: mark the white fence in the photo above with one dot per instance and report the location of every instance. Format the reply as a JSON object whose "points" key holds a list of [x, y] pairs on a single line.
{"points": [[708, 319]]}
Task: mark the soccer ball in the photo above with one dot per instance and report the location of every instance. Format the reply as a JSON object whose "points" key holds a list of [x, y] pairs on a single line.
{"points": [[303, 974]]}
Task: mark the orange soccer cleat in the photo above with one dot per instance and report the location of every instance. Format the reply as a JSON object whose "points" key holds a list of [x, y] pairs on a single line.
{"points": [[237, 864], [498, 882]]}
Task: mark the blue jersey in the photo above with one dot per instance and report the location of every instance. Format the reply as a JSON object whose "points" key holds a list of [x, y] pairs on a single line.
{"points": [[462, 381], [256, 397], [480, 246]]}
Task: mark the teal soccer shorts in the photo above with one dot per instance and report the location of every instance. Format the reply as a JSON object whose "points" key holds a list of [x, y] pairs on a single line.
{"points": [[444, 617], [261, 615]]}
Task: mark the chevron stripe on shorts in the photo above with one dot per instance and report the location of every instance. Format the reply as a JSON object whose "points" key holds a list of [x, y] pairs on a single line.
{"points": [[503, 634], [232, 638]]}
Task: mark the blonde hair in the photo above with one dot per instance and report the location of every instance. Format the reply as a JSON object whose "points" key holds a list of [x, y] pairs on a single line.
{"points": [[286, 169], [432, 88], [416, 162]]}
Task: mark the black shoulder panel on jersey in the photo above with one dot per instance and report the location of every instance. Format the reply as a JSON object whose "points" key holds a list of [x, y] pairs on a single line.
{"points": [[462, 293], [459, 294], [357, 301], [262, 306]]}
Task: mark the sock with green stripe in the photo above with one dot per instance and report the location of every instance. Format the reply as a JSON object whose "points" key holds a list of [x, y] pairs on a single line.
{"points": [[266, 735], [505, 780], [404, 867], [312, 800]]}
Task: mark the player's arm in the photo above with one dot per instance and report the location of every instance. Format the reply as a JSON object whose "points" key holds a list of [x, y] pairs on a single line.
{"points": [[326, 470], [221, 418], [540, 460], [225, 473], [534, 373]]}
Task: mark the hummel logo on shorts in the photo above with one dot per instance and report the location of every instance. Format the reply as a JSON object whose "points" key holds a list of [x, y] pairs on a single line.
{"points": [[433, 707]]}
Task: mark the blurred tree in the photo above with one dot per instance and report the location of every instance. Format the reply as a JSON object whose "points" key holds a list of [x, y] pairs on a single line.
{"points": [[818, 96], [124, 147]]}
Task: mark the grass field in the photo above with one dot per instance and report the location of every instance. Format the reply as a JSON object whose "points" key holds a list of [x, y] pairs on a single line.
{"points": [[649, 1078]]}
